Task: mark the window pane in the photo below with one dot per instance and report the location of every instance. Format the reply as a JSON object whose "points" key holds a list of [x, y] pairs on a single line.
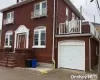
{"points": [[6, 42], [44, 5], [43, 37], [36, 35], [10, 40], [37, 6], [36, 42], [8, 15]]}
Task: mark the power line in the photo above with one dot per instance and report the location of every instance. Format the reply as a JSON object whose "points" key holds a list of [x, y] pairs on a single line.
{"points": [[98, 7]]}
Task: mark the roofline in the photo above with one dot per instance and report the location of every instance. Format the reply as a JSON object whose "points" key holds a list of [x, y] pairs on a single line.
{"points": [[69, 3], [15, 5]]}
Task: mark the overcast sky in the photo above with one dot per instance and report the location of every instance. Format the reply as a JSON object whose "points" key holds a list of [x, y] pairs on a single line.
{"points": [[89, 9]]}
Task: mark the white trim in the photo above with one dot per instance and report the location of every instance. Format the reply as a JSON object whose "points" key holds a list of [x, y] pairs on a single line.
{"points": [[22, 30], [8, 33], [39, 12], [38, 46], [74, 43], [39, 30], [73, 35]]}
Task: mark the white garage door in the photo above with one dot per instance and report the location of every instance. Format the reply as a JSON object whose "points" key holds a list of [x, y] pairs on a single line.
{"points": [[71, 54]]}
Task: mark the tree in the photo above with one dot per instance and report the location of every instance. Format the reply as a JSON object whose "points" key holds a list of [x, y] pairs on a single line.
{"points": [[91, 0]]}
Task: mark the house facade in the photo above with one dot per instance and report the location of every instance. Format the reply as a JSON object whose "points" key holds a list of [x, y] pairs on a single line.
{"points": [[50, 31]]}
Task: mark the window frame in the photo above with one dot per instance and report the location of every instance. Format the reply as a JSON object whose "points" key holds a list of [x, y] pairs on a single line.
{"points": [[8, 34], [40, 8], [39, 38], [11, 15]]}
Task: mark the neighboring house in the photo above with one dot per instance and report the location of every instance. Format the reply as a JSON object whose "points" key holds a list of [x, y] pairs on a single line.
{"points": [[49, 31]]}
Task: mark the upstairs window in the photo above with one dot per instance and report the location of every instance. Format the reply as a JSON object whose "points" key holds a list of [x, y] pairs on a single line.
{"points": [[9, 18], [8, 39], [10, 15], [40, 9], [39, 37]]}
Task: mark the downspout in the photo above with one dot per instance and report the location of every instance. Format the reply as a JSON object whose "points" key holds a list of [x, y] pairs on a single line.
{"points": [[53, 58], [90, 67]]}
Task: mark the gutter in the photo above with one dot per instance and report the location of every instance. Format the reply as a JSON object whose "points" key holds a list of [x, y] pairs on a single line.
{"points": [[53, 58]]}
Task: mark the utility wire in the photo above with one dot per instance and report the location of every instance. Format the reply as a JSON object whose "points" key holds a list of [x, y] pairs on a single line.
{"points": [[98, 7]]}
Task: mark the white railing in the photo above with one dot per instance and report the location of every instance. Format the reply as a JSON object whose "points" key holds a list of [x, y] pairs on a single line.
{"points": [[8, 21], [70, 27], [93, 31], [39, 13]]}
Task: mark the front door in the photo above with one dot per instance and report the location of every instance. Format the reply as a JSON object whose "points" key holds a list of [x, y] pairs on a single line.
{"points": [[21, 41]]}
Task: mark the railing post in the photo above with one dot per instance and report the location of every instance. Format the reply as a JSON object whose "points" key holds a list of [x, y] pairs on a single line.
{"points": [[80, 26]]}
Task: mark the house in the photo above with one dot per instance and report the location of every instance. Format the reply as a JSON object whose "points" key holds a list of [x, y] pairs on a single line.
{"points": [[50, 31]]}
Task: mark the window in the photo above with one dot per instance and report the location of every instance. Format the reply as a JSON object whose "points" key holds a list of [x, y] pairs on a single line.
{"points": [[10, 15], [8, 39], [40, 9], [73, 16], [40, 37], [9, 18], [67, 11]]}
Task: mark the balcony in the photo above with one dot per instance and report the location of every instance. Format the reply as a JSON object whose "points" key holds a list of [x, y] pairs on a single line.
{"points": [[39, 13], [70, 27], [8, 21], [75, 27]]}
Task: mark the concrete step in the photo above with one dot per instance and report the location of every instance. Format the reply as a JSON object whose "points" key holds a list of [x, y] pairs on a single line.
{"points": [[11, 66], [3, 64]]}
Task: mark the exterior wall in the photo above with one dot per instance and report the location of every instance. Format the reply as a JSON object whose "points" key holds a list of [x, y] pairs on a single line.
{"points": [[94, 57], [86, 28], [23, 17]]}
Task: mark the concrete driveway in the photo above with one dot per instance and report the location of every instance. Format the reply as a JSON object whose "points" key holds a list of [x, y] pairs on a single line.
{"points": [[27, 74]]}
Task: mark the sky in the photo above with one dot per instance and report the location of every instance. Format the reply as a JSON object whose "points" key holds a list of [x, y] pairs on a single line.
{"points": [[88, 9]]}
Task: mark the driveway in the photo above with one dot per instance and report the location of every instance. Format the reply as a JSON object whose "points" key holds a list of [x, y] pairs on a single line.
{"points": [[27, 74]]}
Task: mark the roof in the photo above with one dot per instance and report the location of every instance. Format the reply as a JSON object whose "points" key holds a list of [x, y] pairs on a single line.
{"points": [[69, 3], [16, 5]]}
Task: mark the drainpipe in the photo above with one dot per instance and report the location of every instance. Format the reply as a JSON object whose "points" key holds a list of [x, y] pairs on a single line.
{"points": [[90, 67], [53, 59]]}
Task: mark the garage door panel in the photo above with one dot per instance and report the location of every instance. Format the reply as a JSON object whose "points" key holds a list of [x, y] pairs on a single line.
{"points": [[72, 56]]}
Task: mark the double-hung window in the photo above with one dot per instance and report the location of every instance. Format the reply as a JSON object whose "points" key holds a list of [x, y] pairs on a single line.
{"points": [[39, 38], [8, 39], [40, 9], [9, 18]]}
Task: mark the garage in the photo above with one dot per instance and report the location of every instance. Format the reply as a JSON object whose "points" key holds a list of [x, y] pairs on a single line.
{"points": [[71, 54]]}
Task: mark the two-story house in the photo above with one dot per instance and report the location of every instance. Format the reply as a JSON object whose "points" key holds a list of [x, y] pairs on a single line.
{"points": [[50, 31]]}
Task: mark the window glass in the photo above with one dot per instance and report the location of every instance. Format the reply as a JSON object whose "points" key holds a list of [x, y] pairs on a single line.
{"points": [[36, 35], [44, 5], [37, 7], [10, 40], [43, 36], [8, 15], [6, 41]]}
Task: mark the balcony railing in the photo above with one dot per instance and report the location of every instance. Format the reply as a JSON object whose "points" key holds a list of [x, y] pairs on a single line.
{"points": [[93, 31], [39, 13], [8, 21], [70, 27]]}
